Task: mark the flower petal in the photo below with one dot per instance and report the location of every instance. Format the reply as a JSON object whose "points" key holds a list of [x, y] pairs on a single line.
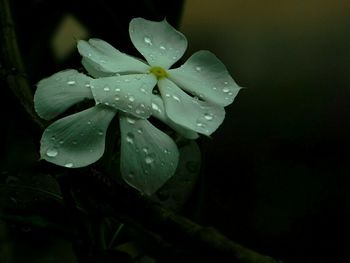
{"points": [[160, 43], [158, 111], [60, 91], [108, 59], [204, 75], [199, 116], [149, 157], [93, 69], [77, 140], [128, 93]]}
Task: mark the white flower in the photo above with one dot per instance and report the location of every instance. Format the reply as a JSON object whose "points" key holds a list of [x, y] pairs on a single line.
{"points": [[123, 83]]}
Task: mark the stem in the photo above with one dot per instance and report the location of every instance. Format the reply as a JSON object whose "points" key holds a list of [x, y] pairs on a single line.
{"points": [[131, 208], [13, 64], [115, 235]]}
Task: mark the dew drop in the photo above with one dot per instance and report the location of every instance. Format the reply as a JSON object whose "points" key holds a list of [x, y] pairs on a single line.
{"points": [[53, 138], [225, 90], [176, 98], [131, 98], [130, 138], [199, 124], [106, 89], [148, 41], [68, 165], [116, 98], [52, 152], [145, 149], [131, 121], [74, 142], [166, 151], [89, 122], [71, 82], [174, 57], [61, 142], [167, 95], [100, 133], [149, 160], [117, 89], [138, 111], [198, 69], [225, 83], [162, 47], [208, 116], [127, 80], [155, 107], [106, 103], [139, 131]]}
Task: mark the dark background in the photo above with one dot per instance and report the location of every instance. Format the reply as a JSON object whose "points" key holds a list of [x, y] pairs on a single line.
{"points": [[275, 175]]}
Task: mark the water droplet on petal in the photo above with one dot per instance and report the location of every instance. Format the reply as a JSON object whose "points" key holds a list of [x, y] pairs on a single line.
{"points": [[61, 142], [131, 121], [145, 149], [149, 160], [176, 98], [139, 131], [225, 83], [68, 165], [52, 152], [74, 142], [148, 41], [71, 82], [106, 89], [155, 107], [208, 116], [117, 89], [100, 133], [198, 69], [199, 124], [116, 98], [162, 47], [225, 90], [89, 122], [131, 98], [130, 138]]}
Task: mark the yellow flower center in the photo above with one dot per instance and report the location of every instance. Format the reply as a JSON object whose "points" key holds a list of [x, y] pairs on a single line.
{"points": [[159, 72]]}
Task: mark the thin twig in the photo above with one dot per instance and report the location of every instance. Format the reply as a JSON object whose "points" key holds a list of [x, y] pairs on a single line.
{"points": [[131, 208], [13, 64]]}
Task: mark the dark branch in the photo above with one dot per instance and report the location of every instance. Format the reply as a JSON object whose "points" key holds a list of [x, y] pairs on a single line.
{"points": [[13, 67], [113, 199]]}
